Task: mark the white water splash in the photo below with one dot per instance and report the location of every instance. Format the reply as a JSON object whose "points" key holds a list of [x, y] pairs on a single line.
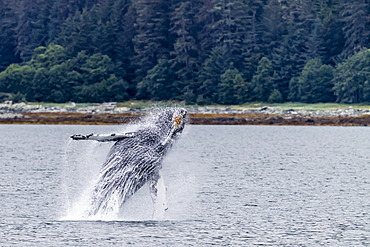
{"points": [[83, 163]]}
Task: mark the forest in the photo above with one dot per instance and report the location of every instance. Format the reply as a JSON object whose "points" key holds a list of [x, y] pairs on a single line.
{"points": [[196, 51]]}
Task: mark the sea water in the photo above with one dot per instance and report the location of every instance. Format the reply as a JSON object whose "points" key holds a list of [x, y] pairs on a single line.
{"points": [[224, 186]]}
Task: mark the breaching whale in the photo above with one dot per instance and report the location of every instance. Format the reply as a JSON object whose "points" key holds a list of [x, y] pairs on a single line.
{"points": [[134, 160]]}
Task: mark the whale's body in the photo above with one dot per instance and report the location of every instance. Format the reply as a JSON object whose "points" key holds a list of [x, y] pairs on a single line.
{"points": [[136, 160]]}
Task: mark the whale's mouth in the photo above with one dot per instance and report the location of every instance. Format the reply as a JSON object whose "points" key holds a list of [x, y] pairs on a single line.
{"points": [[178, 124], [177, 121]]}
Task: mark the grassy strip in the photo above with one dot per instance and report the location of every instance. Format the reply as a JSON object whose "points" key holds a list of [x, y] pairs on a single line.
{"points": [[305, 106], [135, 104]]}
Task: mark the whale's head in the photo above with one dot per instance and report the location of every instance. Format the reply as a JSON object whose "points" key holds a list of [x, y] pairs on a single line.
{"points": [[170, 122]]}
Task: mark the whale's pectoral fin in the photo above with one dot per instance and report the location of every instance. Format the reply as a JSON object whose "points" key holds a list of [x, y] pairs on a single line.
{"points": [[153, 181], [158, 194], [104, 138]]}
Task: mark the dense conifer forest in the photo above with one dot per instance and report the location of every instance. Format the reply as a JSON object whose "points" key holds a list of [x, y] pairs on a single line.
{"points": [[197, 51]]}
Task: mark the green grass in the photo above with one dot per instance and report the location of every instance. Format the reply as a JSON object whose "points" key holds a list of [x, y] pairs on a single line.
{"points": [[60, 104], [136, 104], [144, 104], [303, 106]]}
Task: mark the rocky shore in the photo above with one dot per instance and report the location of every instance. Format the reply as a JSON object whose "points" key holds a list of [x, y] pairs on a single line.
{"points": [[111, 113]]}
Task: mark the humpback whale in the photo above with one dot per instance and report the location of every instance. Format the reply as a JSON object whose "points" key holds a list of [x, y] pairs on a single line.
{"points": [[134, 160]]}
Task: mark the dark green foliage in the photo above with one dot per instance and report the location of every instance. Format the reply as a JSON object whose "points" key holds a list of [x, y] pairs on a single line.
{"points": [[185, 60], [294, 90], [80, 33], [262, 81], [352, 79], [6, 96], [150, 40], [32, 26], [158, 84], [17, 98], [275, 97], [17, 78], [53, 76], [355, 16], [197, 51], [315, 83], [232, 89], [8, 41], [210, 77], [273, 26]]}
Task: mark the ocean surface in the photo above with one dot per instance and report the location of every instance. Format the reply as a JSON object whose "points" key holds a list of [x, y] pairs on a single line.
{"points": [[226, 186]]}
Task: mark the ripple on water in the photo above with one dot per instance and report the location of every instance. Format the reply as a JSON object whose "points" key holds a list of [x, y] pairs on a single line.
{"points": [[226, 186]]}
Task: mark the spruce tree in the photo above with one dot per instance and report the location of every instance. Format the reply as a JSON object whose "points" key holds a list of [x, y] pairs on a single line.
{"points": [[150, 40], [185, 60], [355, 19], [210, 77], [262, 81], [352, 77], [273, 27], [8, 41], [80, 33], [315, 83], [232, 88], [293, 52], [32, 27], [158, 84]]}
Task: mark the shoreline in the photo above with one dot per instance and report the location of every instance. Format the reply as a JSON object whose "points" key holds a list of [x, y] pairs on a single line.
{"points": [[110, 113], [194, 118]]}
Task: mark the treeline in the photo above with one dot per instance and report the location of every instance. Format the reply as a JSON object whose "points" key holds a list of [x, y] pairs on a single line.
{"points": [[198, 51]]}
